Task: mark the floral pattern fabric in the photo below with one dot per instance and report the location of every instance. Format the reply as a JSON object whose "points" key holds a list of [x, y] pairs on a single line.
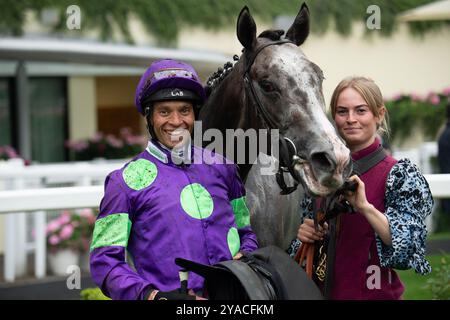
{"points": [[408, 201]]}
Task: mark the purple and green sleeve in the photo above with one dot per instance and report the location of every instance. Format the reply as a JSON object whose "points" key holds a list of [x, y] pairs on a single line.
{"points": [[109, 268], [241, 212]]}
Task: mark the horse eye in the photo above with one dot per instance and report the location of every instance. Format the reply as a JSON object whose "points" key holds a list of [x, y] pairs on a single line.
{"points": [[267, 86]]}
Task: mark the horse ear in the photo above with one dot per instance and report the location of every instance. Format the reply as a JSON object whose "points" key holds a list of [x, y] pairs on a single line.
{"points": [[299, 30], [246, 29]]}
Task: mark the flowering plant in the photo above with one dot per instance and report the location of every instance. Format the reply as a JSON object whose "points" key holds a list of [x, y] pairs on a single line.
{"points": [[108, 146], [408, 112], [8, 152], [71, 230]]}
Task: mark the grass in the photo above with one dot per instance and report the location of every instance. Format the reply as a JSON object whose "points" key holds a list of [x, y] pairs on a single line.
{"points": [[439, 236], [414, 282]]}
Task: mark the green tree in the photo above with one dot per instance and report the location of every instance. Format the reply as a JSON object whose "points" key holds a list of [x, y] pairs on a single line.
{"points": [[164, 19]]}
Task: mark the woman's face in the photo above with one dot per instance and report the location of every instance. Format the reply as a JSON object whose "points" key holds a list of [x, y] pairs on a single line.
{"points": [[355, 122]]}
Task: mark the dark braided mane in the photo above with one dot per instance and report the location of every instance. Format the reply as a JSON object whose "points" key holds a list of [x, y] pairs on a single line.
{"points": [[216, 78]]}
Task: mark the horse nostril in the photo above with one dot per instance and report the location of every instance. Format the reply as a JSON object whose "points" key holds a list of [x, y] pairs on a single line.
{"points": [[323, 161]]}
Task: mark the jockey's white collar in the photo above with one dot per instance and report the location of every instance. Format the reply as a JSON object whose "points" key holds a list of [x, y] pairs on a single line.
{"points": [[179, 155]]}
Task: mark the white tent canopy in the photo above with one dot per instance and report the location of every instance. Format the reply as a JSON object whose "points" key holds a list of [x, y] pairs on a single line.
{"points": [[439, 10]]}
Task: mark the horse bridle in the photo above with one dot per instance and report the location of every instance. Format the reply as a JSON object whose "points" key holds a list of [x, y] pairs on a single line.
{"points": [[288, 151]]}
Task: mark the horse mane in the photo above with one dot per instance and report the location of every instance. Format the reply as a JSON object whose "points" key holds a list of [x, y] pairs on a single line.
{"points": [[217, 77]]}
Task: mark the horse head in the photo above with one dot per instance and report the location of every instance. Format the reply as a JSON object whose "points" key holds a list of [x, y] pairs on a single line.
{"points": [[289, 86]]}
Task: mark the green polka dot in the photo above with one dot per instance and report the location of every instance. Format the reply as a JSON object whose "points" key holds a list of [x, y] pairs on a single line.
{"points": [[196, 201], [234, 243], [140, 174]]}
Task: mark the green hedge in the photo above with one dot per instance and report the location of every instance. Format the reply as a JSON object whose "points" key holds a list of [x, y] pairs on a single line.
{"points": [[410, 112]]}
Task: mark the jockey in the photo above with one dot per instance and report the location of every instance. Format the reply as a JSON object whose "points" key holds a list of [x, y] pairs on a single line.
{"points": [[169, 201]]}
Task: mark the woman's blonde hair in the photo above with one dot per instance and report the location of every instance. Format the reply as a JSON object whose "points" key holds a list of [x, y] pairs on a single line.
{"points": [[370, 92]]}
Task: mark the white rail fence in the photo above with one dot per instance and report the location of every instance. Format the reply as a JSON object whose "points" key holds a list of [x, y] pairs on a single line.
{"points": [[37, 189], [33, 189]]}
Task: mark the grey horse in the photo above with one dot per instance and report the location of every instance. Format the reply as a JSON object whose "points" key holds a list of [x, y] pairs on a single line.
{"points": [[273, 85]]}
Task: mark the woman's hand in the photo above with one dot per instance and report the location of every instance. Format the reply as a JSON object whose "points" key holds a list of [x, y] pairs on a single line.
{"points": [[307, 233], [358, 198], [376, 219]]}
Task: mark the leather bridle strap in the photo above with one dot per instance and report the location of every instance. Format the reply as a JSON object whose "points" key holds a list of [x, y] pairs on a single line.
{"points": [[251, 89], [286, 163]]}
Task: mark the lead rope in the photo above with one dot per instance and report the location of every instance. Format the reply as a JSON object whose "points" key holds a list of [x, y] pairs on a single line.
{"points": [[305, 254]]}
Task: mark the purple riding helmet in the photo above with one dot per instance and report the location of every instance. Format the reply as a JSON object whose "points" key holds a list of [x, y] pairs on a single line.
{"points": [[168, 80]]}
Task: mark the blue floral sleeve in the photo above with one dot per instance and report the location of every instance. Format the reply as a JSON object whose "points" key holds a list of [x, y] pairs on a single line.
{"points": [[306, 211], [408, 201]]}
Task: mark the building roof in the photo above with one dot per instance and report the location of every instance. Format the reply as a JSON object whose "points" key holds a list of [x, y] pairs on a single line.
{"points": [[438, 10], [101, 54]]}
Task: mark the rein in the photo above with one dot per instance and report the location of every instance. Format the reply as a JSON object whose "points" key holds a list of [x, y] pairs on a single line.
{"points": [[287, 147], [316, 263]]}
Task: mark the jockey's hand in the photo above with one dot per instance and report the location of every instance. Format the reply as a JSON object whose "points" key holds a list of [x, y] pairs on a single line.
{"points": [[307, 232], [176, 294], [237, 256]]}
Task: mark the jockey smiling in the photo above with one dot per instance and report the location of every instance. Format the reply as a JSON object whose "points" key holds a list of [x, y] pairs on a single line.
{"points": [[162, 205]]}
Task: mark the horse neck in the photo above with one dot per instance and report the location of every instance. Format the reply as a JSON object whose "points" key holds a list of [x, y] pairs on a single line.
{"points": [[224, 108], [228, 108]]}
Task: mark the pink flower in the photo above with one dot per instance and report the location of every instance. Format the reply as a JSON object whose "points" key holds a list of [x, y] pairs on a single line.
{"points": [[64, 218], [52, 226], [10, 152], [415, 97], [54, 240], [77, 145], [434, 98], [397, 96], [113, 141], [66, 232], [97, 137], [446, 91], [136, 140], [125, 132], [88, 214]]}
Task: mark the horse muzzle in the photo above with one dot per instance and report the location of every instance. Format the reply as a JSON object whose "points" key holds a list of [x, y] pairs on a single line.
{"points": [[323, 173]]}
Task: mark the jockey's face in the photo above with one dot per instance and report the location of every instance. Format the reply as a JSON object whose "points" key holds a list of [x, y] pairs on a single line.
{"points": [[173, 122]]}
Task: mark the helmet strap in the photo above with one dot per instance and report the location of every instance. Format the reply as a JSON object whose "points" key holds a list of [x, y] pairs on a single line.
{"points": [[147, 115]]}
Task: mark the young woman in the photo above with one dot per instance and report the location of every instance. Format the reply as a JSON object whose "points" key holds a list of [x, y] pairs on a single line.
{"points": [[391, 202]]}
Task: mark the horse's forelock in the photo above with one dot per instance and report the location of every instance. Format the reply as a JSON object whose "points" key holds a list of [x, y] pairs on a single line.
{"points": [[273, 35]]}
